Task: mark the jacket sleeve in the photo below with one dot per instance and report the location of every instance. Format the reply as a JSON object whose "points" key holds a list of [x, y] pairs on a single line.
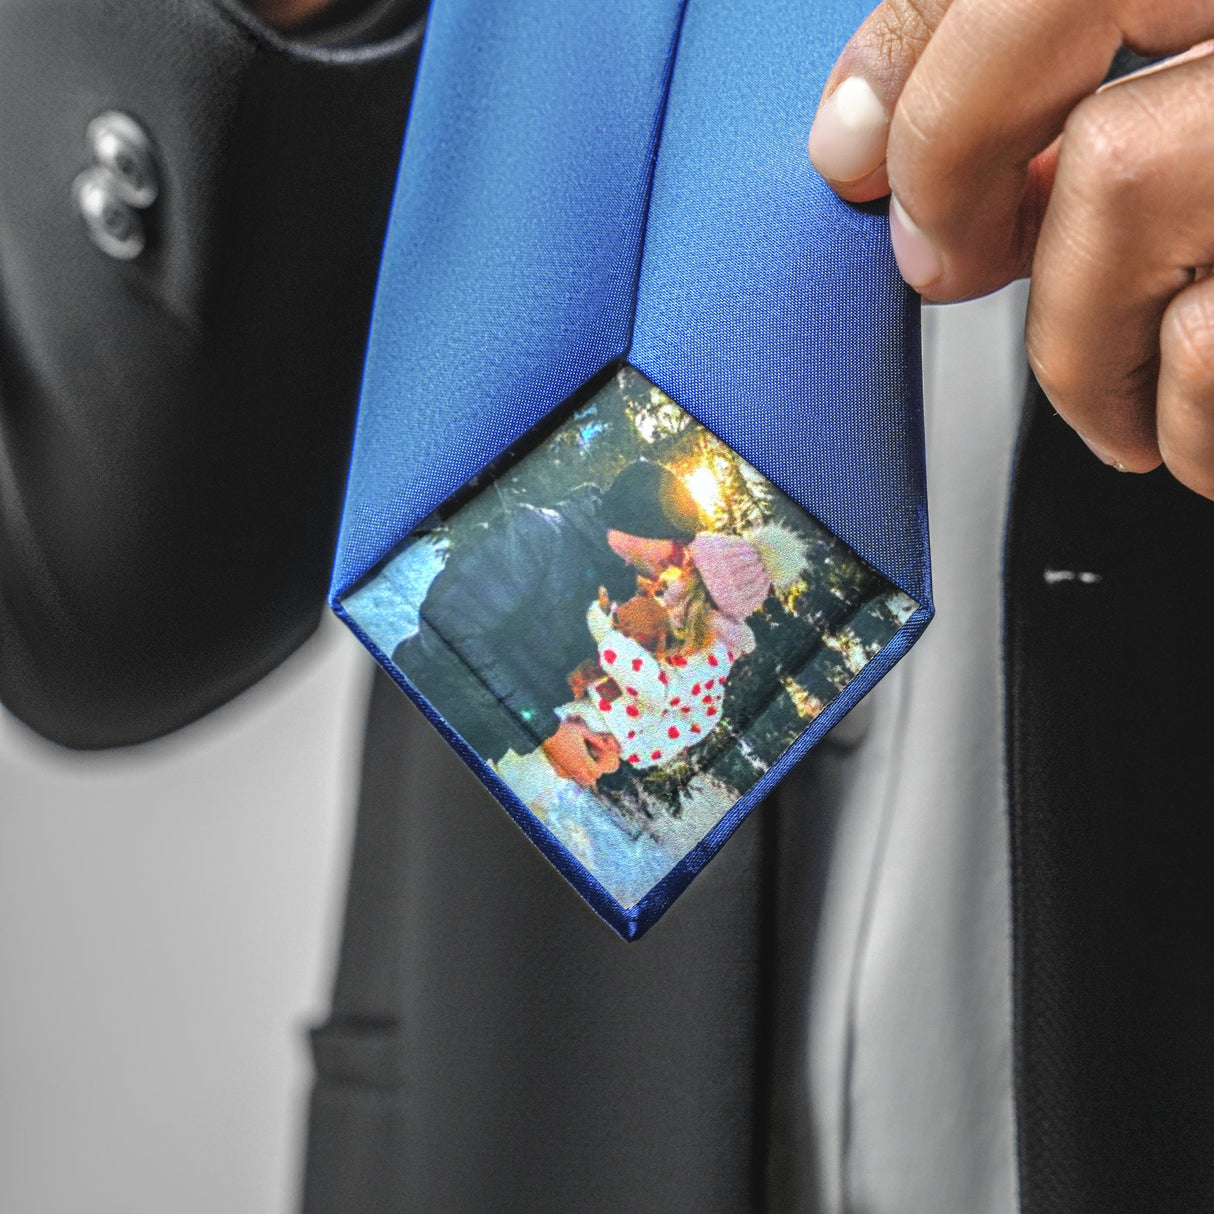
{"points": [[486, 654], [174, 428]]}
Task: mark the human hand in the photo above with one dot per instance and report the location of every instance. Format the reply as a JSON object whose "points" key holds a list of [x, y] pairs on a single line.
{"points": [[1006, 157], [581, 754]]}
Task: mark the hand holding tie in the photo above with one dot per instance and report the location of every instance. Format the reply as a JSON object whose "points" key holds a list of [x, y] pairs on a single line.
{"points": [[1006, 157]]}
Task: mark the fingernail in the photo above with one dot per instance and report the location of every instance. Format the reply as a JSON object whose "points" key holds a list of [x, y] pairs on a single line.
{"points": [[917, 258], [848, 137]]}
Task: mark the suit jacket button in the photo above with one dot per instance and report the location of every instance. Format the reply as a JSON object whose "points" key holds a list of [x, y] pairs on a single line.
{"points": [[115, 227], [118, 143]]}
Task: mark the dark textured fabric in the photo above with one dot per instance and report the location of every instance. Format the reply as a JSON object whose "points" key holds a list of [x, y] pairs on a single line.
{"points": [[505, 622], [1112, 792], [173, 429], [495, 1047]]}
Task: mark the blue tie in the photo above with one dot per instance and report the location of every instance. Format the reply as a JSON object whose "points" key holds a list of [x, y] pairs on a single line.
{"points": [[615, 300]]}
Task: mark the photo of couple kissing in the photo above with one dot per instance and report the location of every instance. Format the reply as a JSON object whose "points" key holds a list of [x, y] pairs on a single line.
{"points": [[629, 625]]}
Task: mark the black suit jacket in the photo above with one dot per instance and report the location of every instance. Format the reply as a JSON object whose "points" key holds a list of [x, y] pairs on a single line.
{"points": [[173, 428]]}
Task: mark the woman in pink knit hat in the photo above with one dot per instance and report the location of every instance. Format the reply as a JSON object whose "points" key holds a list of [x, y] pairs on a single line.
{"points": [[660, 701]]}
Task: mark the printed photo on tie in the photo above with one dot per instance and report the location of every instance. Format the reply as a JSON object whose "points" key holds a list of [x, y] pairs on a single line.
{"points": [[628, 623]]}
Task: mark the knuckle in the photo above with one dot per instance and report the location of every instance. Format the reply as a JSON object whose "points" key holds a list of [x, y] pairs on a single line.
{"points": [[1107, 144], [905, 28]]}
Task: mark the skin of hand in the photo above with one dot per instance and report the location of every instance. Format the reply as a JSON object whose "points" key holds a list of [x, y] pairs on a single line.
{"points": [[1004, 156], [287, 14], [579, 754]]}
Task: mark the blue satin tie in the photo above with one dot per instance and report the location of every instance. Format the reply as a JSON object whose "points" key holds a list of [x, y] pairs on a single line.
{"points": [[584, 183]]}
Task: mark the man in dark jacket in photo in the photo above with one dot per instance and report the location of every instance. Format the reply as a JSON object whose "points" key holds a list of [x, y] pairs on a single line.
{"points": [[504, 623]]}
